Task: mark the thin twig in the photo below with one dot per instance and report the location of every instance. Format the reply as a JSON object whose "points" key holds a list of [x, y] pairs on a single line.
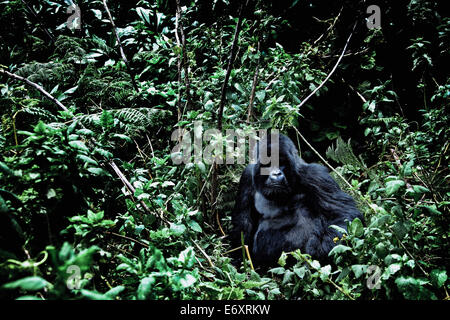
{"points": [[183, 60], [323, 159], [330, 27], [349, 54], [407, 251], [247, 253], [331, 72], [249, 257], [229, 67], [132, 190], [399, 166], [252, 93], [364, 100], [151, 146], [179, 63], [122, 52], [127, 238], [211, 264]]}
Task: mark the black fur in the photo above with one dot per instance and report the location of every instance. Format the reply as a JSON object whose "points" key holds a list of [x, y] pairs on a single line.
{"points": [[290, 210]]}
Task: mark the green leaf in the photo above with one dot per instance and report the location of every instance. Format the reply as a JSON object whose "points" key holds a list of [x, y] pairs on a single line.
{"points": [[104, 153], [122, 137], [338, 229], [78, 144], [114, 292], [315, 264], [282, 259], [278, 270], [339, 249], [401, 229], [420, 189], [438, 277], [144, 287], [85, 132], [359, 269], [87, 160], [168, 184], [325, 272], [239, 88], [300, 272], [381, 250], [380, 221], [201, 166], [393, 268], [413, 289], [433, 210], [98, 171], [187, 257], [66, 252], [29, 298], [5, 169], [29, 283], [356, 228], [93, 295], [51, 193], [144, 14], [194, 226], [393, 186], [177, 229], [97, 13], [261, 95], [41, 127], [186, 280]]}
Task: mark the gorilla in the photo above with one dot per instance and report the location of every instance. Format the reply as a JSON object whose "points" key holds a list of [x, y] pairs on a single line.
{"points": [[288, 205]]}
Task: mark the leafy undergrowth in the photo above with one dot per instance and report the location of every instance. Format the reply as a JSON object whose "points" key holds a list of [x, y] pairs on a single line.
{"points": [[92, 206]]}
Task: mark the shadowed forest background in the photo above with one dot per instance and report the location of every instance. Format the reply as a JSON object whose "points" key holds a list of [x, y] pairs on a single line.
{"points": [[92, 206]]}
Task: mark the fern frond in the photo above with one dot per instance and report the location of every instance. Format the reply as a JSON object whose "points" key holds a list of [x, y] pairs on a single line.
{"points": [[130, 120], [40, 113], [343, 153], [386, 120]]}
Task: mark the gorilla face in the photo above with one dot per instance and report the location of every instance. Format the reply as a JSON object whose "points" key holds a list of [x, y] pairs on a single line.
{"points": [[276, 180], [275, 184]]}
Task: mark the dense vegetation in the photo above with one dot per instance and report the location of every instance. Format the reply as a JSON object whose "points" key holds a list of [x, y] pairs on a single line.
{"points": [[92, 206]]}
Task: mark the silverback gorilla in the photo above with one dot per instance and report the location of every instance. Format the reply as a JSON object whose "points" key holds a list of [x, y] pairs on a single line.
{"points": [[289, 207]]}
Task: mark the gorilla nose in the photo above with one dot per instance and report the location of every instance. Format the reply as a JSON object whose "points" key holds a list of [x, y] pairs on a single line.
{"points": [[276, 175]]}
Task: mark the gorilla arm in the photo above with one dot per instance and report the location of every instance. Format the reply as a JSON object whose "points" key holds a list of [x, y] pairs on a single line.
{"points": [[325, 196], [326, 199], [242, 217]]}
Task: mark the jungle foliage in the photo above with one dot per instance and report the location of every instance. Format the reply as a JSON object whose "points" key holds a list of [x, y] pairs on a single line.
{"points": [[92, 206]]}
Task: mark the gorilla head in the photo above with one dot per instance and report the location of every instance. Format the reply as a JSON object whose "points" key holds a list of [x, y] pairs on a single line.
{"points": [[276, 162]]}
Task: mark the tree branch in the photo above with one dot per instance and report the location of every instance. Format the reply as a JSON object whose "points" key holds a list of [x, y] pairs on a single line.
{"points": [[36, 86]]}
